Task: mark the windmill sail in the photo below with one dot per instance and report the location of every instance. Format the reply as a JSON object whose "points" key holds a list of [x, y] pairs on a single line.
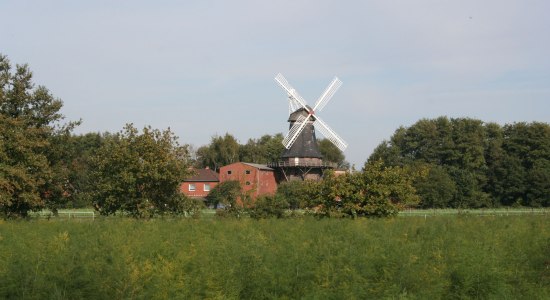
{"points": [[307, 116]]}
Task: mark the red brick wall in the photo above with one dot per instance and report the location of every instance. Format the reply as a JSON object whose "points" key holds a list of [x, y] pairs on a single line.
{"points": [[257, 182], [267, 183], [199, 189]]}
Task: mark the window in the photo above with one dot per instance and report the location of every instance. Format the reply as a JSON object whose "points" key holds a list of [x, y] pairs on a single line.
{"points": [[247, 172], [248, 183], [207, 187], [229, 172], [192, 187]]}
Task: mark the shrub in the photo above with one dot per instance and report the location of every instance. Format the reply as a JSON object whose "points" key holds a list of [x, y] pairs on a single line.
{"points": [[269, 206]]}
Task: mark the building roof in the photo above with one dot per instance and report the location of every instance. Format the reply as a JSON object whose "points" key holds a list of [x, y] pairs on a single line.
{"points": [[258, 166], [203, 175]]}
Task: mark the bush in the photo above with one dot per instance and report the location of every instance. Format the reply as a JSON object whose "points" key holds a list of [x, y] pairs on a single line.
{"points": [[224, 194], [270, 206], [140, 174]]}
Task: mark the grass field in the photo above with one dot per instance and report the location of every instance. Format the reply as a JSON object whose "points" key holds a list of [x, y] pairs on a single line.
{"points": [[452, 257]]}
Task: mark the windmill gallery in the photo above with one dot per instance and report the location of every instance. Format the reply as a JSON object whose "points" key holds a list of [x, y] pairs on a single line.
{"points": [[301, 159]]}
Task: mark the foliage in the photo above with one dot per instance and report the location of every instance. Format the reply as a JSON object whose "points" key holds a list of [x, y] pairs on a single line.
{"points": [[446, 257], [332, 154], [269, 206], [263, 150], [224, 194], [298, 194], [224, 150], [378, 191], [189, 206], [73, 156], [220, 152], [29, 120], [139, 174], [389, 189], [437, 188], [488, 164]]}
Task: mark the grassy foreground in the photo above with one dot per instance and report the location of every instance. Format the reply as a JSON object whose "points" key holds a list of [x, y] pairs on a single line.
{"points": [[439, 257]]}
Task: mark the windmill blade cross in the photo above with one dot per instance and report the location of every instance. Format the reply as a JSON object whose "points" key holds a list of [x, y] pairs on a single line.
{"points": [[330, 134], [327, 94], [295, 131]]}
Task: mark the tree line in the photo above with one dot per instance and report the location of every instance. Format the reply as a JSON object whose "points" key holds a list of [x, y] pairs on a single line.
{"points": [[472, 164], [225, 150]]}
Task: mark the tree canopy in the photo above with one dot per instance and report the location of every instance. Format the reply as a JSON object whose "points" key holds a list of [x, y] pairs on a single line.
{"points": [[29, 121], [474, 164], [224, 150], [140, 173]]}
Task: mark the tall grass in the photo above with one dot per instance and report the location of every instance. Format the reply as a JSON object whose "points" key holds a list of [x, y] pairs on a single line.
{"points": [[439, 257]]}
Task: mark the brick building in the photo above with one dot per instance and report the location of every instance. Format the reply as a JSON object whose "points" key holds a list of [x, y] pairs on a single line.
{"points": [[255, 179], [200, 184]]}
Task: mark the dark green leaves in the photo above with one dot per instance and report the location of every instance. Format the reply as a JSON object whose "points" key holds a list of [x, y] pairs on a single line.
{"points": [[474, 164], [139, 173]]}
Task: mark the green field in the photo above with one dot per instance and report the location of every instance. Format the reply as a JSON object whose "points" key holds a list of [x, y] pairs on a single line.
{"points": [[451, 257]]}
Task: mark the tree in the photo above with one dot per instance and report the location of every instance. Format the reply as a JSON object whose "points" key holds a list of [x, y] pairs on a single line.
{"points": [[220, 152], [263, 150], [73, 157], [140, 174], [378, 191], [29, 119], [225, 193], [298, 194], [332, 154], [465, 148], [230, 199], [437, 189]]}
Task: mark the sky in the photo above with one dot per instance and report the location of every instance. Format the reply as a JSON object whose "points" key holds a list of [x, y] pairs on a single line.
{"points": [[205, 68]]}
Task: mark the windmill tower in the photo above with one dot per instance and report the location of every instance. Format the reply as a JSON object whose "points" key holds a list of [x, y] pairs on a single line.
{"points": [[302, 159]]}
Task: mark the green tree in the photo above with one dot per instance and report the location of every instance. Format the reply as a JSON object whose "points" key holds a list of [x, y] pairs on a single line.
{"points": [[230, 199], [437, 189], [72, 157], [263, 150], [332, 154], [140, 174], [220, 152], [226, 193], [298, 194], [459, 145], [29, 119], [519, 168], [378, 191], [538, 176]]}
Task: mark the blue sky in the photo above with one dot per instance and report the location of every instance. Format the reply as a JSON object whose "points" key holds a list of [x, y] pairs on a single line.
{"points": [[206, 67]]}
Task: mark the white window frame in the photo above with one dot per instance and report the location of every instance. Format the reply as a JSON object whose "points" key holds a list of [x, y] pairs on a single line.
{"points": [[206, 187], [192, 187]]}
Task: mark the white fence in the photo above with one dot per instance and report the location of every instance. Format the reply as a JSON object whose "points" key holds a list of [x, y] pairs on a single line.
{"points": [[68, 214]]}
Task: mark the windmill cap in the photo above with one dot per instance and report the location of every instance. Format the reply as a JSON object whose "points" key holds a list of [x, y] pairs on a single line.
{"points": [[300, 112]]}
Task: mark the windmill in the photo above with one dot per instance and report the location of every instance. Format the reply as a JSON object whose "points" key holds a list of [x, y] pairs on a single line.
{"points": [[302, 158]]}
